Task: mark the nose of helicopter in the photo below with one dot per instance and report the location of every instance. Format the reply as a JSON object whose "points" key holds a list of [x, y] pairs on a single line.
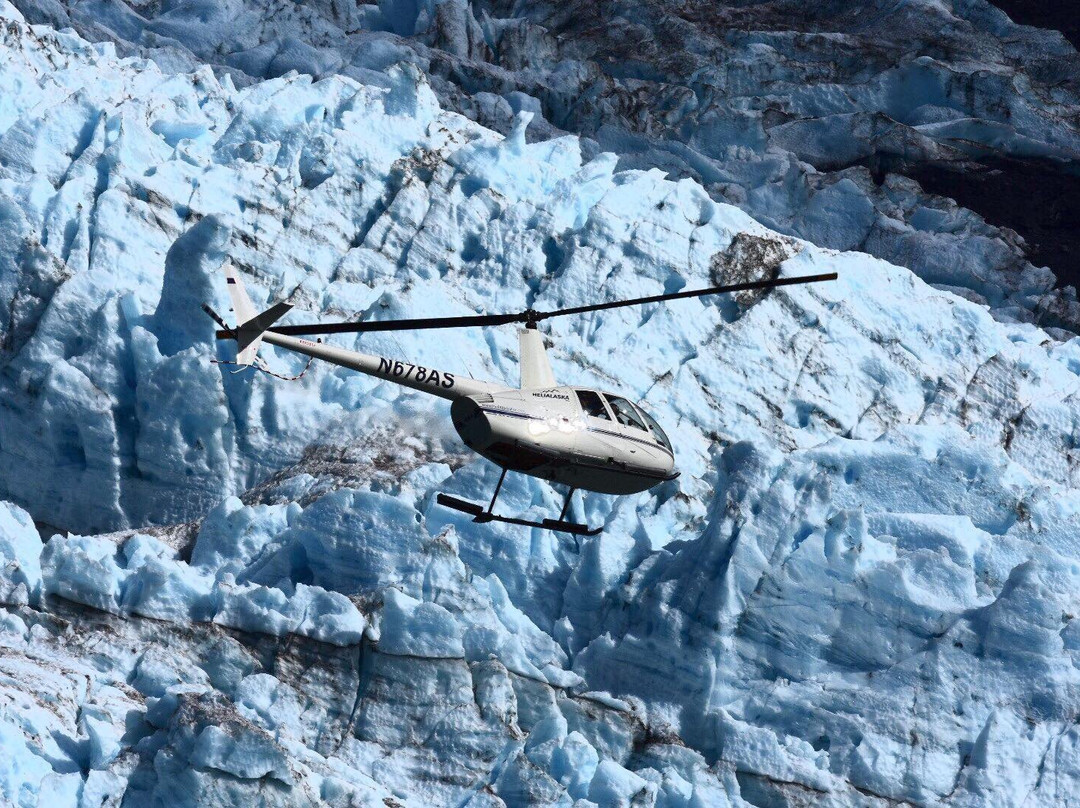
{"points": [[472, 423]]}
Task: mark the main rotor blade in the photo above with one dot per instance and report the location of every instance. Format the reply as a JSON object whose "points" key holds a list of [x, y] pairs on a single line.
{"points": [[712, 290], [528, 316], [417, 324]]}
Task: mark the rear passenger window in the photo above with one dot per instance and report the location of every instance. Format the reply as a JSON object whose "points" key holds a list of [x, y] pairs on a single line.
{"points": [[625, 413], [591, 403]]}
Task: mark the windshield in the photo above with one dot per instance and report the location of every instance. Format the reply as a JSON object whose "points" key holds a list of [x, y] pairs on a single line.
{"points": [[658, 433], [625, 413]]}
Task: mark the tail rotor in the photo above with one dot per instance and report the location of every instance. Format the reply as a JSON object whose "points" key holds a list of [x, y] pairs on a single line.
{"points": [[251, 325]]}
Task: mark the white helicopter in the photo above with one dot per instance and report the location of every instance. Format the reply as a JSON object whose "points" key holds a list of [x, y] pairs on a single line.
{"points": [[578, 437]]}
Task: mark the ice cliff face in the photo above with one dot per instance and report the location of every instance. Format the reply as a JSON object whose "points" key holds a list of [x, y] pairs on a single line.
{"points": [[893, 112], [862, 590]]}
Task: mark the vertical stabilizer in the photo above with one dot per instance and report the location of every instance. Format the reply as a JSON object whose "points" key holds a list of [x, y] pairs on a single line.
{"points": [[241, 303], [249, 325], [535, 367]]}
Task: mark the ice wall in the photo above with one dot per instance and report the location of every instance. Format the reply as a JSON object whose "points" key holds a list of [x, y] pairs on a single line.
{"points": [[860, 592], [785, 109]]}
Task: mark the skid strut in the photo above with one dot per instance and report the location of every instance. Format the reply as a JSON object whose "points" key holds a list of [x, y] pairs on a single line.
{"points": [[495, 496], [480, 514], [566, 504]]}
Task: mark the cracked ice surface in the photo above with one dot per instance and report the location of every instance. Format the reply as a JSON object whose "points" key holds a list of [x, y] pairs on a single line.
{"points": [[862, 590], [854, 126]]}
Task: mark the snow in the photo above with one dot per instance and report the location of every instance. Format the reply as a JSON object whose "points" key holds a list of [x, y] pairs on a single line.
{"points": [[862, 589], [144, 577]]}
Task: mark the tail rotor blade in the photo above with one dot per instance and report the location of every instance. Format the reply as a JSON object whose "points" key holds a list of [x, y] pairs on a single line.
{"points": [[213, 315]]}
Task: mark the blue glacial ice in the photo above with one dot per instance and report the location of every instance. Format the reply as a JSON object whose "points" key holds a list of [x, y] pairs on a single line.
{"points": [[861, 591], [785, 109]]}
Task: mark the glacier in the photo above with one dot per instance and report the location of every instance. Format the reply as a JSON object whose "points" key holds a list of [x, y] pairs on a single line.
{"points": [[221, 588], [918, 118]]}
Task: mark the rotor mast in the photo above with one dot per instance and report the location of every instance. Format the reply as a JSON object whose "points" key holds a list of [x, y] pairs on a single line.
{"points": [[533, 361]]}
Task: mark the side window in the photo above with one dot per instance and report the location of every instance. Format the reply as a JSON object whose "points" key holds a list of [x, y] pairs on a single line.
{"points": [[625, 413], [591, 403]]}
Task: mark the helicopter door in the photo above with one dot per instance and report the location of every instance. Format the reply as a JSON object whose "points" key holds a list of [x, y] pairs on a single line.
{"points": [[593, 406], [599, 440]]}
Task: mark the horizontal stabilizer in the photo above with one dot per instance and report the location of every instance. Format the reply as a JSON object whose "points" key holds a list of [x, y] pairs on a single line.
{"points": [[253, 329]]}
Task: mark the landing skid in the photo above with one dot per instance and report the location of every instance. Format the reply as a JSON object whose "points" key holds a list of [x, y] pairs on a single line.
{"points": [[481, 515], [478, 514]]}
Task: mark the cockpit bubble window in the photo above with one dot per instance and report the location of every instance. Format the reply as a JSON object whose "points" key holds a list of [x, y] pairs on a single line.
{"points": [[625, 413], [592, 405], [658, 433]]}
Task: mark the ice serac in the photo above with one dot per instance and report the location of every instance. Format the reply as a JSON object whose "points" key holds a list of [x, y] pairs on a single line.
{"points": [[900, 129], [861, 591]]}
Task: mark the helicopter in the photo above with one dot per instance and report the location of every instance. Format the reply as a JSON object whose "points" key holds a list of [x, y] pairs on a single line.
{"points": [[579, 437]]}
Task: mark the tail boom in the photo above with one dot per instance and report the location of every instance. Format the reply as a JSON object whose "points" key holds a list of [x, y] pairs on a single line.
{"points": [[254, 328], [426, 380]]}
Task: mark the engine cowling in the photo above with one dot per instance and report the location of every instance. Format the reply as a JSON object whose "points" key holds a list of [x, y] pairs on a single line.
{"points": [[471, 423]]}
